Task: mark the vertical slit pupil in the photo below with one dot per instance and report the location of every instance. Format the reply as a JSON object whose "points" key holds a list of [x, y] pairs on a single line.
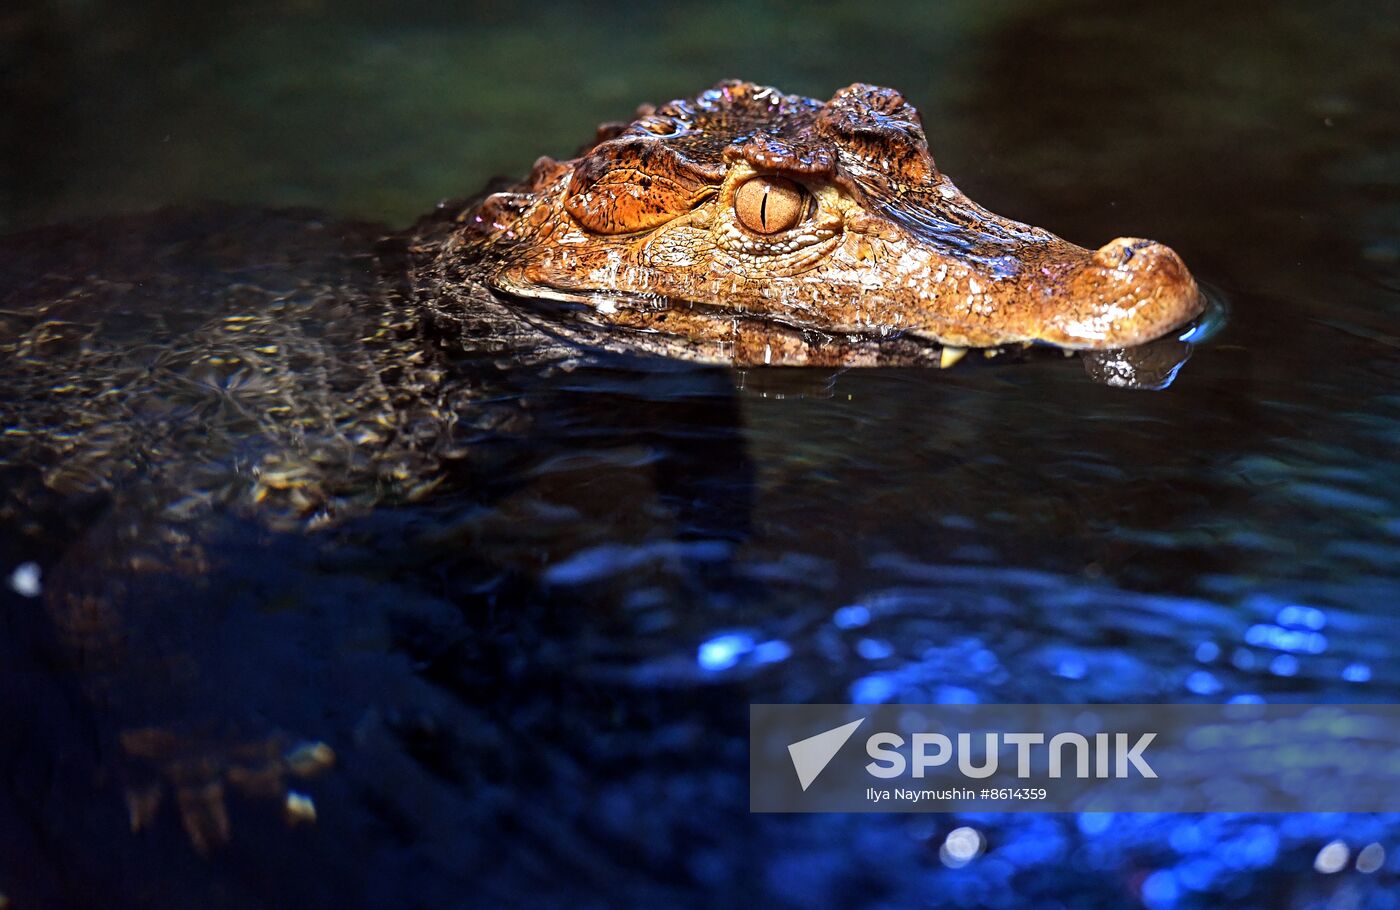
{"points": [[763, 209]]}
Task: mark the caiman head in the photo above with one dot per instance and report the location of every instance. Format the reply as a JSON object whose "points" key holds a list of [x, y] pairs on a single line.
{"points": [[758, 227]]}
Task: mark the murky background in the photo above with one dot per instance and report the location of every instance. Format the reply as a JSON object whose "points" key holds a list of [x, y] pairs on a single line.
{"points": [[538, 692]]}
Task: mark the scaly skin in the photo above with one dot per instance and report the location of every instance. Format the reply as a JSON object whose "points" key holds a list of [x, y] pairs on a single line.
{"points": [[642, 228]]}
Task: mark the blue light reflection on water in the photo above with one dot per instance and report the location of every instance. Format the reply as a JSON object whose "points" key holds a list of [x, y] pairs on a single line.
{"points": [[1181, 859], [723, 651]]}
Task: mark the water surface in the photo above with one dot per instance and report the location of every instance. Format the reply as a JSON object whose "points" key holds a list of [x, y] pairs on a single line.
{"points": [[537, 685]]}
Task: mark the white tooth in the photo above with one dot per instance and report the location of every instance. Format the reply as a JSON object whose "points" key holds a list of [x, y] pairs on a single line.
{"points": [[950, 356]]}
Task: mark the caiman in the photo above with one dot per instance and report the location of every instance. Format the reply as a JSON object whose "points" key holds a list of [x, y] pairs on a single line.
{"points": [[276, 356], [294, 371]]}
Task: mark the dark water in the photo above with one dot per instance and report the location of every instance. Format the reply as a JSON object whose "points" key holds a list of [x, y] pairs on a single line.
{"points": [[537, 690]]}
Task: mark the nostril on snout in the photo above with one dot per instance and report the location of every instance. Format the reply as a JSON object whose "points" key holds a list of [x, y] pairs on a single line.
{"points": [[1136, 255]]}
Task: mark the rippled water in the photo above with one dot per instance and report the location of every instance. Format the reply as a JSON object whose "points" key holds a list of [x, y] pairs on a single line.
{"points": [[537, 689]]}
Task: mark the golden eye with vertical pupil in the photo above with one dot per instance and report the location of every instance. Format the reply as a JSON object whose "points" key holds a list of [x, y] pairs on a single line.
{"points": [[767, 205]]}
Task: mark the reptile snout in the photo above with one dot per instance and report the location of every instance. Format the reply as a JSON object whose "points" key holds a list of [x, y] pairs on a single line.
{"points": [[1130, 291]]}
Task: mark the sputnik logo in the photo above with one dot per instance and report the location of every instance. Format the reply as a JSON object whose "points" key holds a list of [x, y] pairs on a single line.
{"points": [[810, 756]]}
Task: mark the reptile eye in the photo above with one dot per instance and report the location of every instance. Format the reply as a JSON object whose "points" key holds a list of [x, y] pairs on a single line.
{"points": [[767, 205]]}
